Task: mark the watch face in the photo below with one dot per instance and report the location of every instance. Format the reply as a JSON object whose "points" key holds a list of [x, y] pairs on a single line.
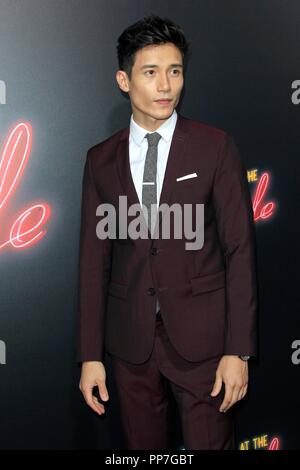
{"points": [[245, 358]]}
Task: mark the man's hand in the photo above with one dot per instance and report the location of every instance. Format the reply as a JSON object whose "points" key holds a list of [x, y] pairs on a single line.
{"points": [[233, 371], [93, 375]]}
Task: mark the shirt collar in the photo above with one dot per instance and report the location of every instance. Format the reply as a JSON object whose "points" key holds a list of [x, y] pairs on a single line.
{"points": [[165, 130]]}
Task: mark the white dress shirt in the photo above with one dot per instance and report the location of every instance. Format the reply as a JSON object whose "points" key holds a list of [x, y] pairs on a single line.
{"points": [[138, 146]]}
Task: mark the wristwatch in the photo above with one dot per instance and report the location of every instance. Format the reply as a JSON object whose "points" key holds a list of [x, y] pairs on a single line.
{"points": [[244, 358]]}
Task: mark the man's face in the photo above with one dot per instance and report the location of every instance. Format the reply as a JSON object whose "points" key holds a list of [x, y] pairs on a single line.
{"points": [[157, 74]]}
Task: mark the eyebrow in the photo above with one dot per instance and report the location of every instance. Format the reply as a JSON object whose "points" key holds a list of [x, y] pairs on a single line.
{"points": [[155, 66]]}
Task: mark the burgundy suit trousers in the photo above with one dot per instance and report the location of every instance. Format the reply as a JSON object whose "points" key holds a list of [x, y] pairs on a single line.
{"points": [[143, 392]]}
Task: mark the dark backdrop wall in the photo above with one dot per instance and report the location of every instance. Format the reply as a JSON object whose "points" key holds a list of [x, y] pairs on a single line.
{"points": [[57, 77]]}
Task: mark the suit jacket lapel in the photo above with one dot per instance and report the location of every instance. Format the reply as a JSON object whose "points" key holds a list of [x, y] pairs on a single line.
{"points": [[123, 168], [175, 160]]}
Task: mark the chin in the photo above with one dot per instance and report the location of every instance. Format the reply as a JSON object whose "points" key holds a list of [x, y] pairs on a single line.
{"points": [[164, 113]]}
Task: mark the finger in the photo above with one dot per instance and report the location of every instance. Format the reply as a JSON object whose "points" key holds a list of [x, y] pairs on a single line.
{"points": [[217, 386], [240, 396], [96, 406], [227, 397], [243, 391], [234, 398], [100, 407], [103, 393], [89, 398]]}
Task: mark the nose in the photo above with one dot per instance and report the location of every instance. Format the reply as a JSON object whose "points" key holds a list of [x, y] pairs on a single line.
{"points": [[163, 83]]}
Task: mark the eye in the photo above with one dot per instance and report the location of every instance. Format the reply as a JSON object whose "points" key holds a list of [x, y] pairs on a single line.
{"points": [[149, 72], [177, 71]]}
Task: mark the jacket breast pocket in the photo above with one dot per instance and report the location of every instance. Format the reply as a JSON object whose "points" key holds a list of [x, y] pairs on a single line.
{"points": [[208, 282], [187, 182], [117, 290]]}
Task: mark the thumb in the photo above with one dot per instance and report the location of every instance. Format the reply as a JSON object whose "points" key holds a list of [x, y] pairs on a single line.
{"points": [[103, 391], [217, 386]]}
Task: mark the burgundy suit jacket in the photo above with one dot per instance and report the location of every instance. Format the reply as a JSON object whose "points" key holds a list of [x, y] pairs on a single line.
{"points": [[208, 296]]}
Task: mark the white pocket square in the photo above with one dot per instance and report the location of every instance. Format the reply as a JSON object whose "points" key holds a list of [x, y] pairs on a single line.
{"points": [[185, 177]]}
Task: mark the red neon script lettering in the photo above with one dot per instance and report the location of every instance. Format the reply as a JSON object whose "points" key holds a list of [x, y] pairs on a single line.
{"points": [[262, 211], [274, 444], [27, 229]]}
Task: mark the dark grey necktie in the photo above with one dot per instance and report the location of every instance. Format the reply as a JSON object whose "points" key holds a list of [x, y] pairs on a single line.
{"points": [[149, 195]]}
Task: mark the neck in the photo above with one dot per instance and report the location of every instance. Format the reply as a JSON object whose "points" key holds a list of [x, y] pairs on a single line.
{"points": [[147, 122]]}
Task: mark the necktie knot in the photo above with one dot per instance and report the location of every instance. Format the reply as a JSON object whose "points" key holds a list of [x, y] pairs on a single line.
{"points": [[153, 139]]}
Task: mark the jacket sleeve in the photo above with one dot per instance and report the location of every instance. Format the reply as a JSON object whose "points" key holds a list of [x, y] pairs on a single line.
{"points": [[94, 272], [234, 215]]}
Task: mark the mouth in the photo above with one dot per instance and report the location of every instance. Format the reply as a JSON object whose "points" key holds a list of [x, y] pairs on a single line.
{"points": [[163, 102]]}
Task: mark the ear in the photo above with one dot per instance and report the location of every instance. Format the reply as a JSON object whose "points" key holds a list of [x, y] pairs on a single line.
{"points": [[123, 81]]}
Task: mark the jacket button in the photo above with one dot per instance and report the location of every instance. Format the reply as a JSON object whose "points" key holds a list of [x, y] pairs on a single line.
{"points": [[154, 251], [151, 291]]}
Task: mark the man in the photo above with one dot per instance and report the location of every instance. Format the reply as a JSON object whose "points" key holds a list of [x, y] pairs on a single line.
{"points": [[174, 320]]}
